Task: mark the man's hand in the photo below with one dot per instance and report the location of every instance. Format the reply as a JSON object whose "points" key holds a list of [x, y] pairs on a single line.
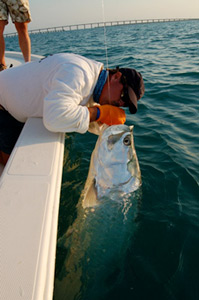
{"points": [[111, 115]]}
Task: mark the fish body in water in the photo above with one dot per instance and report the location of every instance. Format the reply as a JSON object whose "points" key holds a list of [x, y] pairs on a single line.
{"points": [[98, 239]]}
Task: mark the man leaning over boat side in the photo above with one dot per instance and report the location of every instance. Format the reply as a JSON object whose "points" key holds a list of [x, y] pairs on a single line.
{"points": [[19, 12], [70, 92]]}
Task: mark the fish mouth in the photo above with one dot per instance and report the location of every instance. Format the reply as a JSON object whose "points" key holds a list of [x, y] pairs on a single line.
{"points": [[125, 182], [123, 188], [135, 179]]}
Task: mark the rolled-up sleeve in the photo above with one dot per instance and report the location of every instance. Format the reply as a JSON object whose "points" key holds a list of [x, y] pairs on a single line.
{"points": [[62, 111]]}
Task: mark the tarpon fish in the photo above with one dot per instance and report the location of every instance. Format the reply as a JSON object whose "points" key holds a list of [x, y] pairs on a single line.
{"points": [[114, 165], [97, 240]]}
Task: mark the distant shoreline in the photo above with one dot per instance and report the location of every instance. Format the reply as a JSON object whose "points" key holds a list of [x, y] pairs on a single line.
{"points": [[101, 24]]}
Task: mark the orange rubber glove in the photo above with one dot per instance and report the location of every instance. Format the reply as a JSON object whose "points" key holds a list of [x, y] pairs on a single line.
{"points": [[111, 115]]}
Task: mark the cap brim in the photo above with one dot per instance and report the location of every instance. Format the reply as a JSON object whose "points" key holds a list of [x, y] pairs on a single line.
{"points": [[132, 101]]}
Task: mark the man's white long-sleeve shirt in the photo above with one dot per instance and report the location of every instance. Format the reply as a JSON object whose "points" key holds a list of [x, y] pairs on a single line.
{"points": [[57, 88]]}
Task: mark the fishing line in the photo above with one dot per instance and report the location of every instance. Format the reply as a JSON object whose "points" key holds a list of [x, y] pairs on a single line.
{"points": [[105, 44], [105, 40]]}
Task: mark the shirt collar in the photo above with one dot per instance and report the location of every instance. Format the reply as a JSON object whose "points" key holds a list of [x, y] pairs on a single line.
{"points": [[99, 85]]}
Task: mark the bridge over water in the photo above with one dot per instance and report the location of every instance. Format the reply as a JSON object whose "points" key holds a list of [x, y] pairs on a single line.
{"points": [[99, 24]]}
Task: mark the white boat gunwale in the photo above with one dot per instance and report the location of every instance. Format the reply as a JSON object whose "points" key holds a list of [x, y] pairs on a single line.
{"points": [[30, 187]]}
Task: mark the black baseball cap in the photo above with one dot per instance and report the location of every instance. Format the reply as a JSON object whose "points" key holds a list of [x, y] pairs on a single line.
{"points": [[133, 88]]}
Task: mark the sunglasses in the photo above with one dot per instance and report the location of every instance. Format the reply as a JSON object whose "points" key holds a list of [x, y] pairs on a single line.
{"points": [[125, 94]]}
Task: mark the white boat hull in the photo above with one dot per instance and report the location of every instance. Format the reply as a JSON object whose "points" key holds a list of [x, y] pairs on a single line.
{"points": [[29, 204]]}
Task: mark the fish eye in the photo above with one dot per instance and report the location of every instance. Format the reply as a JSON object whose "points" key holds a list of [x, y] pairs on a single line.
{"points": [[127, 140]]}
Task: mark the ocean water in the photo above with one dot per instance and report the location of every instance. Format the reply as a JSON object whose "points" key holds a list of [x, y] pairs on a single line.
{"points": [[160, 257]]}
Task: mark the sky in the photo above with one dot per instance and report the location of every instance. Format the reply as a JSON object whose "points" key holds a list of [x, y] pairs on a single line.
{"points": [[51, 13]]}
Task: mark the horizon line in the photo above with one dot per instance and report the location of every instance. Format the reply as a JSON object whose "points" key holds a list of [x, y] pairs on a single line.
{"points": [[97, 24]]}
